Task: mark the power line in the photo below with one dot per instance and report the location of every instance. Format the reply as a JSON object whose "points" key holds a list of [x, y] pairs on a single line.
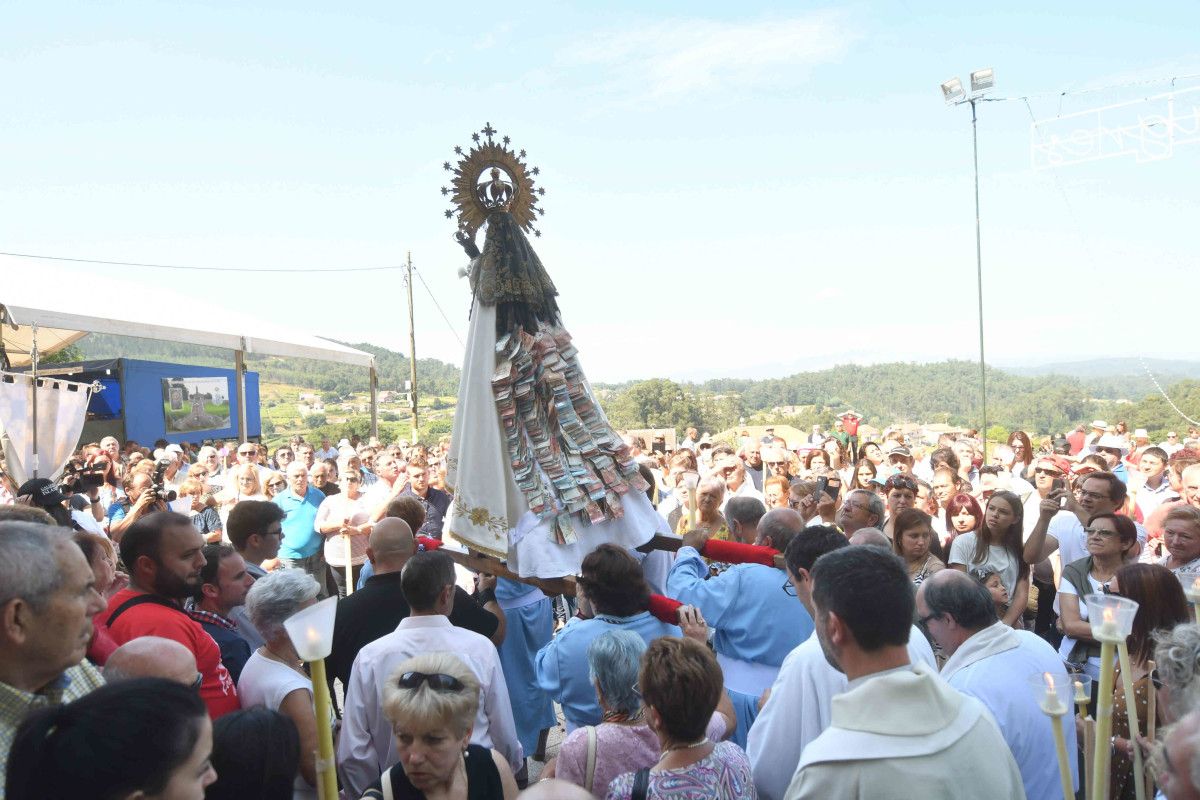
{"points": [[1093, 89], [439, 308], [1166, 397], [199, 269]]}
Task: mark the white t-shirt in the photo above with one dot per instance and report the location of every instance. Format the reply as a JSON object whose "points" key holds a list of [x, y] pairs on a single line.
{"points": [[337, 507], [1064, 649], [266, 682], [998, 558]]}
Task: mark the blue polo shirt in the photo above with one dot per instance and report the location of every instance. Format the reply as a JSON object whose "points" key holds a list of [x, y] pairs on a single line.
{"points": [[300, 537]]}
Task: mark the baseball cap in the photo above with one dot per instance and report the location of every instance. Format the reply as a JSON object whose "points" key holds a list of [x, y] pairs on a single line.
{"points": [[899, 450], [44, 492]]}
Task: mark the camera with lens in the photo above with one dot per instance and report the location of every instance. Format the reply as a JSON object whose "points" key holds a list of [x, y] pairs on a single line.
{"points": [[79, 478], [157, 488]]}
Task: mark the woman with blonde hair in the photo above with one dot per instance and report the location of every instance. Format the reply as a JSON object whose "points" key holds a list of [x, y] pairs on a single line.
{"points": [[244, 484], [431, 701]]}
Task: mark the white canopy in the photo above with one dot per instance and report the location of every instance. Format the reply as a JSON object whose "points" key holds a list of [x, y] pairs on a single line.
{"points": [[63, 317]]}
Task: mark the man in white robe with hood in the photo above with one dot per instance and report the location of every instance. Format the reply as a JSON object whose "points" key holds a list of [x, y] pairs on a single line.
{"points": [[797, 708], [899, 729], [992, 662]]}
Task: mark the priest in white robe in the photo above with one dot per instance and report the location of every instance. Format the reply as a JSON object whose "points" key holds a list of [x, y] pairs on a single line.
{"points": [[992, 662], [799, 705], [899, 729]]}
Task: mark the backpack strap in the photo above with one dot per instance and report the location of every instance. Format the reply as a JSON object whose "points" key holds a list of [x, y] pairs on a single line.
{"points": [[138, 600], [591, 758], [641, 784], [386, 783]]}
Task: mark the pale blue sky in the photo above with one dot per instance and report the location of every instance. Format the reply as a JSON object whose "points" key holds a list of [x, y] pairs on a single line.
{"points": [[742, 190]]}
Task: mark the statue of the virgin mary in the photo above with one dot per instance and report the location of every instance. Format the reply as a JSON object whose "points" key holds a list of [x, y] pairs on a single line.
{"points": [[539, 476]]}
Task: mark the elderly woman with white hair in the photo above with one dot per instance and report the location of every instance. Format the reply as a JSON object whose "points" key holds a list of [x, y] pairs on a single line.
{"points": [[431, 701], [1177, 668], [592, 756], [274, 675]]}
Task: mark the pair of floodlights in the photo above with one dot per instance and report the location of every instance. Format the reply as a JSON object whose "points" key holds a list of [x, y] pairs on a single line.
{"points": [[981, 81]]}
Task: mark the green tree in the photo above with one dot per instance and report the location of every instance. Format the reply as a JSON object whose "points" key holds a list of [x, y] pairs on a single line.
{"points": [[312, 421]]}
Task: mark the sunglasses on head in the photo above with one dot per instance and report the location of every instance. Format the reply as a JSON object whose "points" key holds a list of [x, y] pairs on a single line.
{"points": [[437, 681]]}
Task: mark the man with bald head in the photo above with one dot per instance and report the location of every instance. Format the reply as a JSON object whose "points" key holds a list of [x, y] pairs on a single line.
{"points": [[990, 661], [377, 608], [757, 623], [153, 657], [871, 537]]}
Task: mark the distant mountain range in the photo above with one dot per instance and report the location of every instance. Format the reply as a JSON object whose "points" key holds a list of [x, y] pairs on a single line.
{"points": [[1163, 368]]}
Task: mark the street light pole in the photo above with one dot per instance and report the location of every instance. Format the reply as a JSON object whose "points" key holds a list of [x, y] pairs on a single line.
{"points": [[952, 92], [979, 280]]}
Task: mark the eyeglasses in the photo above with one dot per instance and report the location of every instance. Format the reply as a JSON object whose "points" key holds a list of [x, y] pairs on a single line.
{"points": [[437, 681], [352, 479], [789, 589], [1051, 472], [247, 452], [901, 482], [277, 485], [1101, 532], [277, 530], [924, 621], [1083, 493]]}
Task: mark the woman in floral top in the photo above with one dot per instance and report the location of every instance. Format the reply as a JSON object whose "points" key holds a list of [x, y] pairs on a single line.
{"points": [[681, 684]]}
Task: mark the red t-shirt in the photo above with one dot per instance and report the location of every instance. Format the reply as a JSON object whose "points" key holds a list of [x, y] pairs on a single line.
{"points": [[153, 619], [1076, 439], [850, 423]]}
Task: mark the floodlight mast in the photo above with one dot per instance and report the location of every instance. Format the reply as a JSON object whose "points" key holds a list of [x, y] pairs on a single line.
{"points": [[952, 92]]}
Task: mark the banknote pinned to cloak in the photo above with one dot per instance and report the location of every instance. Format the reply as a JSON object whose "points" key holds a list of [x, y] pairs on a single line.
{"points": [[539, 477]]}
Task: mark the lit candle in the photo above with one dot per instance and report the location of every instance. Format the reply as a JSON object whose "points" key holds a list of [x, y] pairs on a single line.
{"points": [[1082, 698], [313, 636], [1109, 632], [1051, 703], [1055, 709]]}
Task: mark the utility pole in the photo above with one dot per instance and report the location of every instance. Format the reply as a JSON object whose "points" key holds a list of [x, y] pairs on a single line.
{"points": [[412, 352]]}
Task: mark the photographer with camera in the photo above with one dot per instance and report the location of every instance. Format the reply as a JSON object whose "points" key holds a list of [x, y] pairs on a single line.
{"points": [[142, 497]]}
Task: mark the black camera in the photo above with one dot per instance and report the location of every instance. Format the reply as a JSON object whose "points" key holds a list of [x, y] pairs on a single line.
{"points": [[80, 478], [157, 489]]}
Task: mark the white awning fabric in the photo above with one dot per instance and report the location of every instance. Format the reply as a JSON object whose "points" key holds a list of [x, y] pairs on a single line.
{"points": [[63, 317]]}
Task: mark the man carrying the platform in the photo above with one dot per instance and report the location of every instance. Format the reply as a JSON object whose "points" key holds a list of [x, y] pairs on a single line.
{"points": [[755, 613]]}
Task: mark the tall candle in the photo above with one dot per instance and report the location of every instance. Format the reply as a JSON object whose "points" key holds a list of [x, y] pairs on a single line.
{"points": [[692, 491], [1139, 779], [1194, 597], [1104, 707], [1051, 704]]}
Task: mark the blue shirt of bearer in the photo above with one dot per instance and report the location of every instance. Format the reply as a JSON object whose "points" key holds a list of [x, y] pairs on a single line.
{"points": [[300, 537], [562, 667], [754, 618]]}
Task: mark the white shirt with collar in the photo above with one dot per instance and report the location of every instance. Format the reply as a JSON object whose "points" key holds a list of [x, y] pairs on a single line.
{"points": [[367, 746]]}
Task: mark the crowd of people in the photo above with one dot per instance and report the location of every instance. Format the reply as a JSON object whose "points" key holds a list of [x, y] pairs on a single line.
{"points": [[143, 596]]}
